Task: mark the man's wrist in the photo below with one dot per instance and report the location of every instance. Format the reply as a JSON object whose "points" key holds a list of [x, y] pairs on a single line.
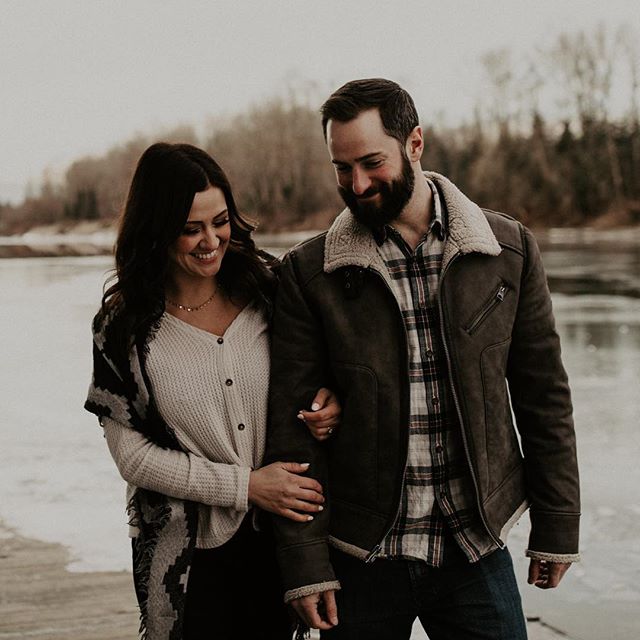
{"points": [[552, 557], [310, 589]]}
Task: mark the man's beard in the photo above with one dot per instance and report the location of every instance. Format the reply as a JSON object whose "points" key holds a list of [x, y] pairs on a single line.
{"points": [[394, 196]]}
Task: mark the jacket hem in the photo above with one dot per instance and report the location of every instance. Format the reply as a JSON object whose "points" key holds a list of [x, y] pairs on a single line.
{"points": [[348, 548], [509, 524]]}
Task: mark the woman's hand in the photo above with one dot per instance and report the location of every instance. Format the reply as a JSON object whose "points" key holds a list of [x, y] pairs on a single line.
{"points": [[324, 416], [279, 488]]}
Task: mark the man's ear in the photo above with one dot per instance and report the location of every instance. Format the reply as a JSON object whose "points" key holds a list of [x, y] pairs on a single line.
{"points": [[415, 145]]}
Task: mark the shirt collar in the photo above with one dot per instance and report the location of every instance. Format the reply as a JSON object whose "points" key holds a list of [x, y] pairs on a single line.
{"points": [[438, 221]]}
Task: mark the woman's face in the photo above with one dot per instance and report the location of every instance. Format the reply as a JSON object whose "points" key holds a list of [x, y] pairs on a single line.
{"points": [[199, 249]]}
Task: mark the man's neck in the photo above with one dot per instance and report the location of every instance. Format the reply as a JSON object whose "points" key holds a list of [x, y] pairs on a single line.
{"points": [[413, 223]]}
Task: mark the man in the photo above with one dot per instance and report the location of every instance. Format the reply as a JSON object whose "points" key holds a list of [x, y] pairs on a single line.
{"points": [[432, 319]]}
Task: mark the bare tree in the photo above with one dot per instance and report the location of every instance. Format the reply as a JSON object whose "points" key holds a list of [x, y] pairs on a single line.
{"points": [[585, 64]]}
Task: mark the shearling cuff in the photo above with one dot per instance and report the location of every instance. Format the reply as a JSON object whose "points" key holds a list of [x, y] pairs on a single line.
{"points": [[309, 589], [553, 557]]}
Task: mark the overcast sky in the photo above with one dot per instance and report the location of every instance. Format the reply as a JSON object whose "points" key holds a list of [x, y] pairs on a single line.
{"points": [[78, 76]]}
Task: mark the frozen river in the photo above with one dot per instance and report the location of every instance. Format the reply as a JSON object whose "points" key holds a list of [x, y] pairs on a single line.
{"points": [[58, 483]]}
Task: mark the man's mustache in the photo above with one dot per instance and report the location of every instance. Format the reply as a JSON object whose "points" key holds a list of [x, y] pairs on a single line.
{"points": [[371, 191], [349, 195]]}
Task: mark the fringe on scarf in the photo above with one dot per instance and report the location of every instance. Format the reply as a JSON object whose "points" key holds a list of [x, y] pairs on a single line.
{"points": [[149, 526]]}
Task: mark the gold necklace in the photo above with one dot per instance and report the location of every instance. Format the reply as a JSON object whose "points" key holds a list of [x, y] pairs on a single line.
{"points": [[184, 307]]}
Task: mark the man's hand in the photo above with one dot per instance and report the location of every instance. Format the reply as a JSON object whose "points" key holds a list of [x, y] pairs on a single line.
{"points": [[318, 611], [546, 575]]}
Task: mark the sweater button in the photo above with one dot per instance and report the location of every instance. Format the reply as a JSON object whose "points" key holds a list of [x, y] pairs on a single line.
{"points": [[240, 427], [229, 382], [220, 340]]}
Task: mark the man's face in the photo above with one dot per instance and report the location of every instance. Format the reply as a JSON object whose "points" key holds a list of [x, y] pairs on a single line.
{"points": [[375, 177]]}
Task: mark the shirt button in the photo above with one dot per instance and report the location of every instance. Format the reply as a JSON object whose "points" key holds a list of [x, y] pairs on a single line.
{"points": [[240, 427], [428, 354], [229, 382], [436, 401], [220, 340], [439, 448]]}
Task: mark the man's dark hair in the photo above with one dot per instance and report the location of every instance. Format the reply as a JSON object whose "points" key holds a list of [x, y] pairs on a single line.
{"points": [[397, 110]]}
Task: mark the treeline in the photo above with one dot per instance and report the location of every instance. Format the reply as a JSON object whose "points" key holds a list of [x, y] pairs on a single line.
{"points": [[555, 141]]}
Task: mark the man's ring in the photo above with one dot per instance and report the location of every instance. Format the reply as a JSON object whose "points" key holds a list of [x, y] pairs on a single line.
{"points": [[329, 430]]}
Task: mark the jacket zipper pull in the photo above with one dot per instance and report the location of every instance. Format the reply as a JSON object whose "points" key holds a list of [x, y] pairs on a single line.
{"points": [[501, 291], [372, 554]]}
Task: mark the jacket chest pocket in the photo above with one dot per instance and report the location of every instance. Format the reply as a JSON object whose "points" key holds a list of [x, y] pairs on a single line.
{"points": [[490, 305]]}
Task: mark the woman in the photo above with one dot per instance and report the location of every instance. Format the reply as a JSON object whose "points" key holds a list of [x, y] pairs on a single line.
{"points": [[181, 370]]}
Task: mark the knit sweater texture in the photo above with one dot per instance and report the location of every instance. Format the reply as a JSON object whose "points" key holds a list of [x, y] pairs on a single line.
{"points": [[213, 391]]}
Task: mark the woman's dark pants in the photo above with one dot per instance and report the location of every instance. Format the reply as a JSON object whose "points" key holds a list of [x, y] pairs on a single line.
{"points": [[234, 591]]}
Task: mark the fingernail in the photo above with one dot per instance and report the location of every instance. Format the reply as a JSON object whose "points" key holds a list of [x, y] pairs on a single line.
{"points": [[315, 406], [300, 417], [304, 464], [309, 518], [320, 508]]}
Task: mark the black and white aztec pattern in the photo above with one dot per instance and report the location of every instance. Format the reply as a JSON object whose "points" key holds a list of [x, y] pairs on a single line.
{"points": [[167, 526]]}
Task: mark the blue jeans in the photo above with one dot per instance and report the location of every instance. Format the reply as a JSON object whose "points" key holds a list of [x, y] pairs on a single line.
{"points": [[461, 600]]}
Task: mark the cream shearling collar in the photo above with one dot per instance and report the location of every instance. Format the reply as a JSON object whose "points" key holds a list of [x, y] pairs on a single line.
{"points": [[349, 243]]}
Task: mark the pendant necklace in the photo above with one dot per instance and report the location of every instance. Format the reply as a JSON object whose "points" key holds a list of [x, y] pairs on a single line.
{"points": [[184, 307]]}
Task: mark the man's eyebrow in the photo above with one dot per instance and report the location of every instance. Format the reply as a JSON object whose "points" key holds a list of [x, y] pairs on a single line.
{"points": [[364, 158]]}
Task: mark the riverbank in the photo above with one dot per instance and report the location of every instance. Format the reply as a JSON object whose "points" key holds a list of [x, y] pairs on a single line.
{"points": [[92, 239], [95, 238], [40, 598]]}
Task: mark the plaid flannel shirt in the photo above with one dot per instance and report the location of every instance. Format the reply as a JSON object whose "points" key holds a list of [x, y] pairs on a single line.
{"points": [[437, 490]]}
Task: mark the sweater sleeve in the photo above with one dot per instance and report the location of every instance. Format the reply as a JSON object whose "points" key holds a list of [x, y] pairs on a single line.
{"points": [[175, 473]]}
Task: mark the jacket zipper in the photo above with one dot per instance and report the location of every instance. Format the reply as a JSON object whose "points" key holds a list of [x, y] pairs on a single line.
{"points": [[497, 298], [371, 556], [457, 402]]}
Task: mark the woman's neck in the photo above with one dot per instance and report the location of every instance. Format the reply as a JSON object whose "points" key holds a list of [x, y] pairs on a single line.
{"points": [[190, 292]]}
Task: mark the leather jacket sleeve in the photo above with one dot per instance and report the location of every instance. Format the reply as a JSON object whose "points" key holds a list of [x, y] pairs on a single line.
{"points": [[298, 369], [542, 406]]}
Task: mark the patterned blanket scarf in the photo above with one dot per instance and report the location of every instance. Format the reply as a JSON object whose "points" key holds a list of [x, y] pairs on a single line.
{"points": [[163, 548]]}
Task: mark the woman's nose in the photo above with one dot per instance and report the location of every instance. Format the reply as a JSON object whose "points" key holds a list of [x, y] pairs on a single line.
{"points": [[211, 238]]}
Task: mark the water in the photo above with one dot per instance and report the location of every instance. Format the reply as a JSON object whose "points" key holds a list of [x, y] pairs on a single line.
{"points": [[58, 483]]}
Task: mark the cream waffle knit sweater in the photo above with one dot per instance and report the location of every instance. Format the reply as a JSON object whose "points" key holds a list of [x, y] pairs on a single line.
{"points": [[213, 391]]}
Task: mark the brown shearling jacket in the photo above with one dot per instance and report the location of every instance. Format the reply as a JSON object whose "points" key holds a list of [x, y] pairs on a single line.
{"points": [[337, 324]]}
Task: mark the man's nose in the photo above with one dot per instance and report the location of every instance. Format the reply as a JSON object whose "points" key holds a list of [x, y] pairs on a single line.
{"points": [[360, 181]]}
